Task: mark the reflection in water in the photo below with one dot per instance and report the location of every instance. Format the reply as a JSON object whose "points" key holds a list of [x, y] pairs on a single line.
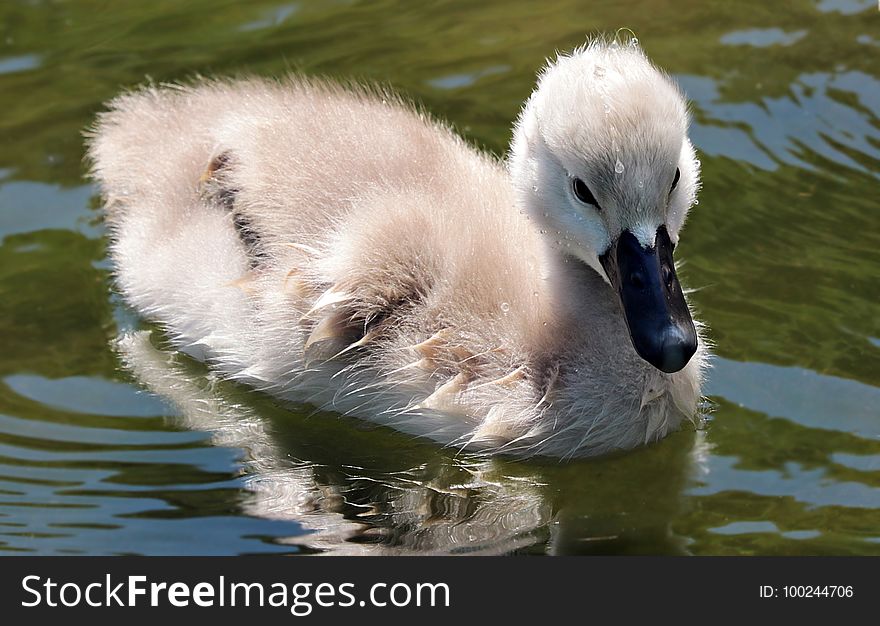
{"points": [[762, 37], [18, 64], [355, 500], [801, 396], [810, 120]]}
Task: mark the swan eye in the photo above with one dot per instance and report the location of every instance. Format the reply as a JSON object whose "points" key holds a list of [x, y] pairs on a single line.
{"points": [[582, 192], [675, 180]]}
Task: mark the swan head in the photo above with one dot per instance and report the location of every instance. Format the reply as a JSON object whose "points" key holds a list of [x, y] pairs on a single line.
{"points": [[601, 160]]}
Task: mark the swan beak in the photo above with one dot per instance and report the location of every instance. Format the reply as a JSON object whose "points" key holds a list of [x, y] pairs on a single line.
{"points": [[657, 315]]}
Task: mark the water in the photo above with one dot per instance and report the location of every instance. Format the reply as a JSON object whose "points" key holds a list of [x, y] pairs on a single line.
{"points": [[783, 248]]}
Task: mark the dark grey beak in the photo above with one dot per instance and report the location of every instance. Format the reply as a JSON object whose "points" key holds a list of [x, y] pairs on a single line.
{"points": [[657, 315]]}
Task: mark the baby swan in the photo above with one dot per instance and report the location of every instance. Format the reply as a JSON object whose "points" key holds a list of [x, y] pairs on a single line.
{"points": [[333, 246]]}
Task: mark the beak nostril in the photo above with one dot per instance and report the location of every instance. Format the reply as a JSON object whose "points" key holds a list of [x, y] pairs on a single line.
{"points": [[667, 276], [637, 280]]}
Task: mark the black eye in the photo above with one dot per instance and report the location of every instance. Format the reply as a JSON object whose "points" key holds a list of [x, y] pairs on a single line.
{"points": [[675, 180], [582, 192]]}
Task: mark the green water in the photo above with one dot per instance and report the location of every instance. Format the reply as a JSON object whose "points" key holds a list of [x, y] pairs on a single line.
{"points": [[784, 246]]}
